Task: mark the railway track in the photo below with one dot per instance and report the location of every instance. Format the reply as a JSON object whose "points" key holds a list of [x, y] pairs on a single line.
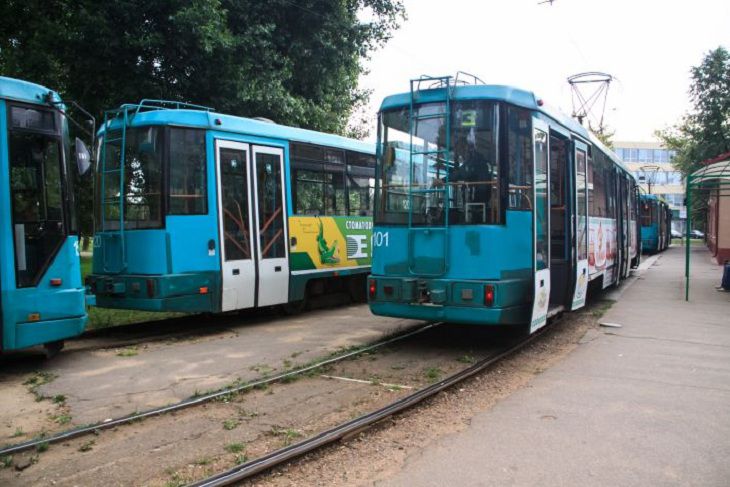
{"points": [[281, 456], [206, 398]]}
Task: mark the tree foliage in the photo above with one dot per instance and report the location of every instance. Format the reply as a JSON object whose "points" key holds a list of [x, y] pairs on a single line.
{"points": [[296, 62], [704, 132]]}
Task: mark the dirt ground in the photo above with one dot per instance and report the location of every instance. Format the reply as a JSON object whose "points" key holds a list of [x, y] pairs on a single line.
{"points": [[381, 451], [138, 368], [177, 448]]}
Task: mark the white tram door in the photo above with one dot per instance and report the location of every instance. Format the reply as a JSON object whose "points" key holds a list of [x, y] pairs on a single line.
{"points": [[235, 222], [271, 250], [541, 225], [581, 226]]}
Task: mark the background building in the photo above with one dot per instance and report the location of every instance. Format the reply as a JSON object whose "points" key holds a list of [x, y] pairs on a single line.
{"points": [[652, 165]]}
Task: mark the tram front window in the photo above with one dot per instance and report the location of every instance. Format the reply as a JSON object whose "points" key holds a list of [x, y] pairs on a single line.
{"points": [[36, 185], [455, 174], [142, 187]]}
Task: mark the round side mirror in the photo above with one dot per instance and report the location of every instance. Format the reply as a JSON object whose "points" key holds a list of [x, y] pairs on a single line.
{"points": [[83, 157]]}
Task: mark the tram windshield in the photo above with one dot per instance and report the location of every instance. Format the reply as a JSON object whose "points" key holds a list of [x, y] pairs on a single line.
{"points": [[457, 171], [142, 187], [37, 180]]}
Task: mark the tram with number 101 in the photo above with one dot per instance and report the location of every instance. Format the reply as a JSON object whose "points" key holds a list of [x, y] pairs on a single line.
{"points": [[41, 294], [492, 208], [203, 212]]}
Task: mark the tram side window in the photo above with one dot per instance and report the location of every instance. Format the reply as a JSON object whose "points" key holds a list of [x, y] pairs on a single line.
{"points": [[599, 199], [187, 181], [318, 180], [519, 141], [360, 183]]}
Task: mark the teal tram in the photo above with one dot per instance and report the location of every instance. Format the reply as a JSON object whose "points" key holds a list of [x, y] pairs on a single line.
{"points": [[656, 223], [492, 208], [41, 293], [199, 211]]}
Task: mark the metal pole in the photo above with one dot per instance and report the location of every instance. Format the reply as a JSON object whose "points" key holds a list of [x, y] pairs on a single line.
{"points": [[689, 220]]}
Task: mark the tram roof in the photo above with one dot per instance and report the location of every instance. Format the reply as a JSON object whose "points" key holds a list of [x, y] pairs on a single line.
{"points": [[242, 125], [25, 91], [509, 94], [645, 196]]}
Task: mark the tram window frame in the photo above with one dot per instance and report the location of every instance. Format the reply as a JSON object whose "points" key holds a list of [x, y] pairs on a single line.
{"points": [[360, 167], [598, 186], [324, 166], [520, 164], [170, 174], [150, 223], [55, 136]]}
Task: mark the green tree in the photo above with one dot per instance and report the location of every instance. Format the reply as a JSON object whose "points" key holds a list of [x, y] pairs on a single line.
{"points": [[603, 133], [704, 132], [296, 62]]}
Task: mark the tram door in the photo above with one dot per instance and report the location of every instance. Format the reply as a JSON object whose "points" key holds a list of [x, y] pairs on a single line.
{"points": [[254, 262], [581, 226], [541, 226]]}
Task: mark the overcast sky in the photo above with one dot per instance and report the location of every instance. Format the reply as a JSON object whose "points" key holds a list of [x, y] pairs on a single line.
{"points": [[649, 46]]}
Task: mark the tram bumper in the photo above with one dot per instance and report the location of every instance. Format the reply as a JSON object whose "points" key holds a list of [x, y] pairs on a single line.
{"points": [[499, 302], [186, 292]]}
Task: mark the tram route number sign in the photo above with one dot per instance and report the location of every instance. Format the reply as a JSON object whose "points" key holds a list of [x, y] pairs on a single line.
{"points": [[381, 239]]}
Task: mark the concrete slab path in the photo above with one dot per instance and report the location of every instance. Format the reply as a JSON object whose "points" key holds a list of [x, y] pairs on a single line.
{"points": [[644, 404]]}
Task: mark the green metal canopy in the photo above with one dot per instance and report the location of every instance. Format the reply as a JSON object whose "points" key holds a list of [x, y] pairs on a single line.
{"points": [[714, 176]]}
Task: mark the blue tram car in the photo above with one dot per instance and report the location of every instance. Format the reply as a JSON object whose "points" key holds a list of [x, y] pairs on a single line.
{"points": [[41, 294], [492, 208], [656, 223], [199, 211]]}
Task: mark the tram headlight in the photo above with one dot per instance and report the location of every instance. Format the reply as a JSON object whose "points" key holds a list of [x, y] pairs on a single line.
{"points": [[488, 295]]}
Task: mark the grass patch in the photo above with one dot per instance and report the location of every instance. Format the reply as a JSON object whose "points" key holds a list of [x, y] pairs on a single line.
{"points": [[203, 461], [105, 318], [87, 446], [62, 418], [36, 381], [18, 432], [6, 461], [692, 243], [287, 434], [262, 368], [128, 352], [235, 447], [433, 373], [59, 399], [176, 480], [42, 447], [466, 359], [230, 424], [601, 307], [240, 458]]}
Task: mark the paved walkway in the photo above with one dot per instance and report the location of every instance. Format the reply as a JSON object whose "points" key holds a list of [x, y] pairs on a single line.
{"points": [[645, 404]]}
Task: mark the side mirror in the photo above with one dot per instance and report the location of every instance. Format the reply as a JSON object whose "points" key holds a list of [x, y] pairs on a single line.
{"points": [[83, 157]]}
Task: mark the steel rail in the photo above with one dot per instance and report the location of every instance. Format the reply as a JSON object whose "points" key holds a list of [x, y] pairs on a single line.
{"points": [[283, 455], [198, 400]]}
